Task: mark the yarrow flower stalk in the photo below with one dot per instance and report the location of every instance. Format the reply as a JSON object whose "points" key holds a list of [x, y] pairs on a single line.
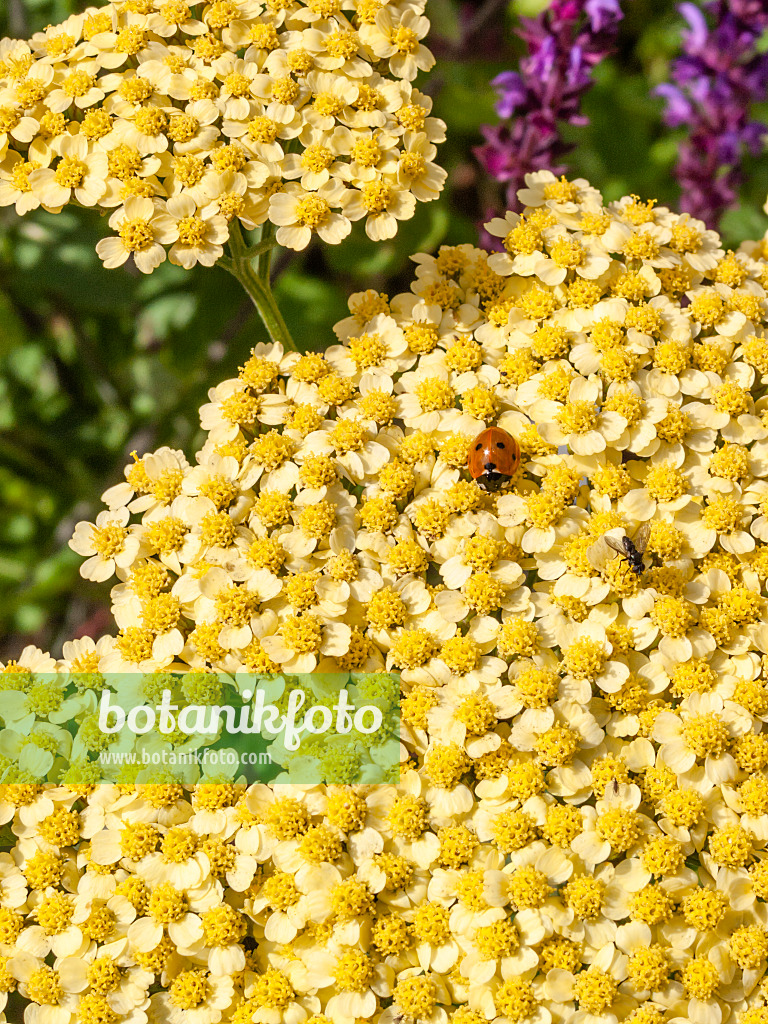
{"points": [[189, 122], [564, 43], [714, 85]]}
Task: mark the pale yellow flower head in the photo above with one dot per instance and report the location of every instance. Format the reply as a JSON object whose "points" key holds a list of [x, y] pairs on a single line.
{"points": [[580, 827], [301, 115]]}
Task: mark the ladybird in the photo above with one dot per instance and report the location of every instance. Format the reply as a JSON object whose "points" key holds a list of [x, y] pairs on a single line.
{"points": [[493, 457]]}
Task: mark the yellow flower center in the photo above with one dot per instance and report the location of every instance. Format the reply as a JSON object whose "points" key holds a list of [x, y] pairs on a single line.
{"points": [[445, 765], [431, 924], [317, 157], [223, 926], [524, 238], [180, 129], [557, 746], [708, 307], [674, 426], [353, 971], [515, 1000], [748, 946], [54, 914], [20, 174], [642, 246], [706, 735], [595, 223], [561, 191], [538, 687], [376, 196], [151, 120], [730, 397], [595, 990], [619, 827], [192, 231], [568, 252], [731, 846], [639, 212], [303, 634], [342, 44], [109, 540], [512, 830], [476, 713], [136, 235], [731, 462], [237, 85], [406, 40], [497, 940], [272, 990], [30, 93], [167, 904], [413, 165], [700, 978], [300, 62], [44, 986], [78, 83], [70, 172], [584, 895], [723, 514], [673, 616], [683, 807], [550, 341], [138, 839], [665, 483], [585, 659], [671, 357], [328, 104], [649, 968], [563, 824], [130, 40], [407, 817], [416, 997], [577, 418], [9, 118], [312, 212], [484, 593], [704, 908], [685, 238]]}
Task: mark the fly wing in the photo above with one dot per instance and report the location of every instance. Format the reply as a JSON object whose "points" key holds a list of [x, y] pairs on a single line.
{"points": [[615, 545], [641, 538]]}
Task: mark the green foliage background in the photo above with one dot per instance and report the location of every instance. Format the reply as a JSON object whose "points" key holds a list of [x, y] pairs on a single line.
{"points": [[96, 363]]}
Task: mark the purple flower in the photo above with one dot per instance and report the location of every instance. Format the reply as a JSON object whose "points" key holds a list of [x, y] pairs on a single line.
{"points": [[603, 14], [564, 44], [679, 109], [716, 80], [512, 92], [696, 37]]}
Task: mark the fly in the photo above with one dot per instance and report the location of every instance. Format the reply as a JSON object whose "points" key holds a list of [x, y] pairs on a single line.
{"points": [[632, 550]]}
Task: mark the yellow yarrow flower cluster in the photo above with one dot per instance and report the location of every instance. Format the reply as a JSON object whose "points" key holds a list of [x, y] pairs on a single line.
{"points": [[580, 828], [182, 117]]}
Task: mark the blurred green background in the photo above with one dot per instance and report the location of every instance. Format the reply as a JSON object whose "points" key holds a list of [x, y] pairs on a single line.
{"points": [[95, 363]]}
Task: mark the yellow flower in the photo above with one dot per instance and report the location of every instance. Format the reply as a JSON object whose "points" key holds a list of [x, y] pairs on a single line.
{"points": [[299, 214], [80, 173], [138, 235]]}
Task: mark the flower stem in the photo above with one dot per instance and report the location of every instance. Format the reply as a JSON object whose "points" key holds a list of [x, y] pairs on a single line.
{"points": [[255, 280]]}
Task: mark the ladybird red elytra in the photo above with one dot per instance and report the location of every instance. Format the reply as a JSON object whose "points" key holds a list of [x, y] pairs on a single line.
{"points": [[494, 457]]}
